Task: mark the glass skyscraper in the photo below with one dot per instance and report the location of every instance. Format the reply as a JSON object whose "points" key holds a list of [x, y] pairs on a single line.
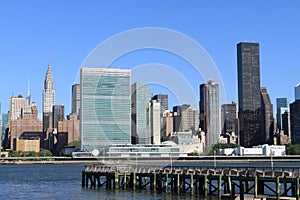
{"points": [[210, 112], [105, 108], [283, 106], [250, 111], [140, 99]]}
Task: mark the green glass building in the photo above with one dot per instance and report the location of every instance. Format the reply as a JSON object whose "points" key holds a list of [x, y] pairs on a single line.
{"points": [[105, 108]]}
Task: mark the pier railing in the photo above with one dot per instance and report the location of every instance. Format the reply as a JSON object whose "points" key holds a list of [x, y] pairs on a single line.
{"points": [[292, 172]]}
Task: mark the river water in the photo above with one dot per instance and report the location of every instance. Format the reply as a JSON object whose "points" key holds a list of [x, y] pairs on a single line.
{"points": [[63, 181], [60, 181]]}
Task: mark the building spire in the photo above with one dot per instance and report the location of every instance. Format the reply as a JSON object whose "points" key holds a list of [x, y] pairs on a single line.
{"points": [[48, 93], [28, 89]]}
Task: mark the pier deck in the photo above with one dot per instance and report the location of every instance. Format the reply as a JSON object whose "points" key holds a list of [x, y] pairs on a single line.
{"points": [[280, 183]]}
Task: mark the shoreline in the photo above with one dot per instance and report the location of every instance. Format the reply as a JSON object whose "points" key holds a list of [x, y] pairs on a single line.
{"points": [[127, 160]]}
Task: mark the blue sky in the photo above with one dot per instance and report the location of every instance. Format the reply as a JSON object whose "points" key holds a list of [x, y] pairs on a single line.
{"points": [[65, 32]]}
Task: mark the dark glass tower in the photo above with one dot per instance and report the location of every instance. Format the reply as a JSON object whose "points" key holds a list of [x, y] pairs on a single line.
{"points": [[250, 112], [163, 99], [267, 116]]}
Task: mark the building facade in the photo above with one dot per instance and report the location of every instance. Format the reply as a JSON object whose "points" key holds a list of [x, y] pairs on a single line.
{"points": [[18, 107], [48, 92], [250, 112], [297, 92], [76, 99], [229, 118], [167, 128], [268, 120], [186, 118], [105, 115], [154, 119], [48, 101], [295, 121], [282, 105], [210, 112], [163, 100], [26, 127], [140, 98], [286, 123], [58, 114]]}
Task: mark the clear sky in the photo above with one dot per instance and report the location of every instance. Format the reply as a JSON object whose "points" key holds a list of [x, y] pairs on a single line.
{"points": [[65, 32]]}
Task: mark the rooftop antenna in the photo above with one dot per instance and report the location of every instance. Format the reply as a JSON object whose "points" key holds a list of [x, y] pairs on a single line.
{"points": [[28, 91]]}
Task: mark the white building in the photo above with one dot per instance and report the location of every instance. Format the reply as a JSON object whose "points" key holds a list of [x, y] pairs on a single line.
{"points": [[154, 118], [18, 106], [261, 150]]}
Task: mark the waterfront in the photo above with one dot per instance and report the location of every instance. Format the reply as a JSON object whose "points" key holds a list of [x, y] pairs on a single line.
{"points": [[63, 181], [60, 181]]}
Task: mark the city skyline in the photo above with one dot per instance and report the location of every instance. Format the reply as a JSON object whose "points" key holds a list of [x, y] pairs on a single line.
{"points": [[34, 36]]}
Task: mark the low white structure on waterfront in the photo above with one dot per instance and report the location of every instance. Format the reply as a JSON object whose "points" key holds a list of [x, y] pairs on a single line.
{"points": [[261, 150], [128, 150]]}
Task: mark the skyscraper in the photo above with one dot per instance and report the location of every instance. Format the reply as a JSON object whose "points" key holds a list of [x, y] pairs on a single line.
{"points": [[58, 115], [267, 117], [297, 92], [140, 98], [163, 100], [76, 99], [229, 118], [250, 112], [210, 112], [286, 123], [295, 121], [105, 115], [48, 92], [48, 100], [18, 106], [155, 123], [282, 105], [186, 118]]}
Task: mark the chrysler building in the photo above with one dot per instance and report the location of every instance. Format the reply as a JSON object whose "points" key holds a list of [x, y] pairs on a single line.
{"points": [[48, 92]]}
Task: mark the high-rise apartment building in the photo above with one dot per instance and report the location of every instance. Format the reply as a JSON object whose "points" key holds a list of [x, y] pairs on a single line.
{"points": [[167, 128], [186, 119], [210, 112], [295, 121], [140, 99], [297, 92], [76, 99], [18, 106], [250, 112], [155, 123], [267, 116], [163, 100], [5, 125], [282, 105], [105, 110], [58, 114], [286, 124], [229, 118]]}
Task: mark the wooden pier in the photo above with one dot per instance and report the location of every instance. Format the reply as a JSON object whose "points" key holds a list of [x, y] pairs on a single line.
{"points": [[222, 182]]}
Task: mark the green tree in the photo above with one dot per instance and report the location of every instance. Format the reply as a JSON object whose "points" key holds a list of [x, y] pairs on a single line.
{"points": [[45, 153], [14, 154], [293, 149], [75, 143]]}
